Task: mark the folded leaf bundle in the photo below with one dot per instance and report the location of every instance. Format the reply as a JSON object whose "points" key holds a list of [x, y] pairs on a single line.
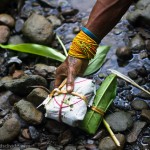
{"points": [[104, 97]]}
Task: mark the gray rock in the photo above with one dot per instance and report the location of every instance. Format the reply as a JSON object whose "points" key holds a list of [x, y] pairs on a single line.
{"points": [[144, 95], [145, 115], [4, 34], [3, 81], [28, 112], [137, 43], [19, 25], [133, 74], [124, 53], [141, 4], [65, 137], [34, 133], [108, 144], [54, 20], [139, 104], [141, 13], [137, 128], [37, 96], [22, 85], [16, 39], [4, 99], [9, 130], [44, 70], [7, 20], [143, 54], [120, 121], [51, 148], [38, 29]]}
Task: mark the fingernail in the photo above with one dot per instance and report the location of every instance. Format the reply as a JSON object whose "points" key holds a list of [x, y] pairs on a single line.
{"points": [[69, 88]]}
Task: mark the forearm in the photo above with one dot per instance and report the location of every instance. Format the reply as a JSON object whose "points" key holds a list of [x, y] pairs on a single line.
{"points": [[105, 15]]}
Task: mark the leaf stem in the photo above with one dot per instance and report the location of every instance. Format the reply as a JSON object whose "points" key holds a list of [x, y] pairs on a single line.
{"points": [[63, 46], [111, 133]]}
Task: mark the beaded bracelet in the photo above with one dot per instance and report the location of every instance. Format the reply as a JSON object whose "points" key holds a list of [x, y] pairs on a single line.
{"points": [[83, 46], [90, 34]]}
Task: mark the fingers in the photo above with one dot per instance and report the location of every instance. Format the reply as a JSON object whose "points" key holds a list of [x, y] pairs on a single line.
{"points": [[70, 80], [61, 74]]}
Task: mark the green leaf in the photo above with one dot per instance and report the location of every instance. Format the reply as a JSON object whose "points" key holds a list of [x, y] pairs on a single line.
{"points": [[104, 97], [36, 49], [98, 60]]}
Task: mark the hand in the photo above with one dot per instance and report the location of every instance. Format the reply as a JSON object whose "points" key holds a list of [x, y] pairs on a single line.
{"points": [[70, 68]]}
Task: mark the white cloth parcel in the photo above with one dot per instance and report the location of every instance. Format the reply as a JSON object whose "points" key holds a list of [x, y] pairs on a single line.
{"points": [[68, 108]]}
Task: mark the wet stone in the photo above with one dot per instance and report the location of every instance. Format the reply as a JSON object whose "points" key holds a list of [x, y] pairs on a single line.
{"points": [[22, 85], [44, 70], [147, 42], [19, 25], [137, 43], [91, 147], [108, 144], [143, 54], [137, 128], [16, 39], [4, 34], [7, 20], [143, 95], [133, 74], [38, 29], [54, 127], [120, 121], [34, 133], [37, 96], [28, 112], [65, 137], [56, 22], [139, 104], [140, 81], [9, 130], [124, 53], [142, 71], [145, 115]]}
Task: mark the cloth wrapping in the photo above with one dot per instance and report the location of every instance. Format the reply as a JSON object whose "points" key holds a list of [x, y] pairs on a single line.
{"points": [[68, 108]]}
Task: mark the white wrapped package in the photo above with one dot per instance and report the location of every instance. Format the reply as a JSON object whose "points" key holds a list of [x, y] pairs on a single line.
{"points": [[68, 108]]}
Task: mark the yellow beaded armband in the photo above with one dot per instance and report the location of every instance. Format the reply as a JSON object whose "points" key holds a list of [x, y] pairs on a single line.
{"points": [[83, 46]]}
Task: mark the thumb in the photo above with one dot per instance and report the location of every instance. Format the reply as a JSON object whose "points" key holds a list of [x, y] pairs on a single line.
{"points": [[70, 80]]}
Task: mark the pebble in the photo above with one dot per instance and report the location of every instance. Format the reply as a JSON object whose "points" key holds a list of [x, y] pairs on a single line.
{"points": [[70, 147], [34, 133], [120, 121], [4, 34], [9, 131], [133, 74], [137, 128], [51, 148], [7, 20], [145, 115], [139, 104]]}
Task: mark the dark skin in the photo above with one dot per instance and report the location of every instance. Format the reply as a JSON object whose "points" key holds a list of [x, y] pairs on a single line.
{"points": [[104, 16]]}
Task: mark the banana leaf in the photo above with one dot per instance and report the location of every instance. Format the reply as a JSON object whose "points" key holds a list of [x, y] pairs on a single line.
{"points": [[36, 49], [104, 97], [98, 60]]}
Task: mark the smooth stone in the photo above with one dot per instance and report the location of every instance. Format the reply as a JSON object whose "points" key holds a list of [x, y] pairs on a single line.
{"points": [[34, 133], [7, 20], [16, 39], [31, 149], [120, 121], [139, 104], [19, 25], [38, 29], [137, 128], [108, 144], [28, 112], [70, 147], [145, 115], [133, 74], [56, 22], [143, 54], [4, 34], [9, 131], [147, 42], [142, 71]]}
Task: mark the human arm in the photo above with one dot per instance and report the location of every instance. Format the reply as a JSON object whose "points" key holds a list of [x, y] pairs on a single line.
{"points": [[104, 16]]}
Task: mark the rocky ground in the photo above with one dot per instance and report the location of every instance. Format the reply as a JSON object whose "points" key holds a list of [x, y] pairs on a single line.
{"points": [[25, 79]]}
